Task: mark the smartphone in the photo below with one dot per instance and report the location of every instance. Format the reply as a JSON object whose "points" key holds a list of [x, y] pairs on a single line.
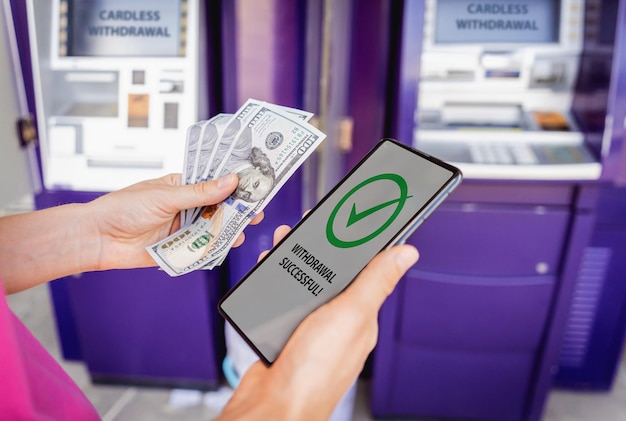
{"points": [[378, 204]]}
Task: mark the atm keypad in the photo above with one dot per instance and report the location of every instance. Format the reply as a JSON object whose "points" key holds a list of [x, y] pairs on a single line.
{"points": [[524, 154]]}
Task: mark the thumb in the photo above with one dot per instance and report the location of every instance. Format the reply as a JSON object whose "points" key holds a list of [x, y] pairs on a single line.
{"points": [[204, 193], [379, 278]]}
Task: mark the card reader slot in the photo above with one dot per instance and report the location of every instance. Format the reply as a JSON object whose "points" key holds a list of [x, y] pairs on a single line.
{"points": [[449, 75]]}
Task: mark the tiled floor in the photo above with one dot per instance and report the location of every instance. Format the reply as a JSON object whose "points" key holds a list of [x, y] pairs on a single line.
{"points": [[119, 403]]}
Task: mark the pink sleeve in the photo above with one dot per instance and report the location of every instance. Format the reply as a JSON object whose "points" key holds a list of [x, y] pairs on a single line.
{"points": [[33, 386]]}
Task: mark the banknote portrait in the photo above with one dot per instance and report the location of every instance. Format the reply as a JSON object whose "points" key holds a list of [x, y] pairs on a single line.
{"points": [[255, 180]]}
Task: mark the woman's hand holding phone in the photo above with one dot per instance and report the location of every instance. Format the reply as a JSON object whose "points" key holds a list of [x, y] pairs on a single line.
{"points": [[327, 351]]}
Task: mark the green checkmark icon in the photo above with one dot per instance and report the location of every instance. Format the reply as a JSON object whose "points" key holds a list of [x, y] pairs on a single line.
{"points": [[357, 216]]}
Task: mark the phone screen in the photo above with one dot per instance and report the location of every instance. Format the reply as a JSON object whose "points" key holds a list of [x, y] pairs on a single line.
{"points": [[379, 201]]}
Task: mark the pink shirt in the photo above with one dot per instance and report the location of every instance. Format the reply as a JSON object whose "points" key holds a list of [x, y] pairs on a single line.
{"points": [[33, 386]]}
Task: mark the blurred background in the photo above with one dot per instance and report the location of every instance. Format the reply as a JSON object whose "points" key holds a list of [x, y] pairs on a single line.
{"points": [[516, 310]]}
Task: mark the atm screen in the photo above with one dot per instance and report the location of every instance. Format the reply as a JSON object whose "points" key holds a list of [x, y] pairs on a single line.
{"points": [[122, 28], [497, 21]]}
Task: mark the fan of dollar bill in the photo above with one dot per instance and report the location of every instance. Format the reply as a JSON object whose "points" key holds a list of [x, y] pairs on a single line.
{"points": [[264, 144]]}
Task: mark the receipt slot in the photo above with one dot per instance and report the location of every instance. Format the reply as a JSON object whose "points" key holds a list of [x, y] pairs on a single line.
{"points": [[115, 85], [526, 98]]}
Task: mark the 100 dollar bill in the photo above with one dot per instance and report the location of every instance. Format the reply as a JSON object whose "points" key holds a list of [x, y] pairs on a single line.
{"points": [[267, 149]]}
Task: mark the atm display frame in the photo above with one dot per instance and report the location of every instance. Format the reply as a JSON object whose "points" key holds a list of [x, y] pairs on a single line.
{"points": [[66, 49], [568, 37]]}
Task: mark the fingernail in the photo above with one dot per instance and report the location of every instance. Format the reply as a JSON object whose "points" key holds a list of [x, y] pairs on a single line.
{"points": [[225, 181], [407, 258]]}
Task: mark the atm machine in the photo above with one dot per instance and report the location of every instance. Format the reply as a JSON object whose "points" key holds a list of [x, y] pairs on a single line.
{"points": [[497, 86], [115, 85], [521, 96]]}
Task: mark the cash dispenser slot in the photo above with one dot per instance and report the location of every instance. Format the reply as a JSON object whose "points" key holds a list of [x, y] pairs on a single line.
{"points": [[449, 67], [86, 94], [482, 115]]}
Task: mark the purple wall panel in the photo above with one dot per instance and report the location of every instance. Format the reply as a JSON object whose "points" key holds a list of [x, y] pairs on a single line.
{"points": [[369, 75], [281, 58]]}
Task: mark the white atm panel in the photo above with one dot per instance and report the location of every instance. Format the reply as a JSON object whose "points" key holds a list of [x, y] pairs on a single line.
{"points": [[497, 86], [117, 84]]}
